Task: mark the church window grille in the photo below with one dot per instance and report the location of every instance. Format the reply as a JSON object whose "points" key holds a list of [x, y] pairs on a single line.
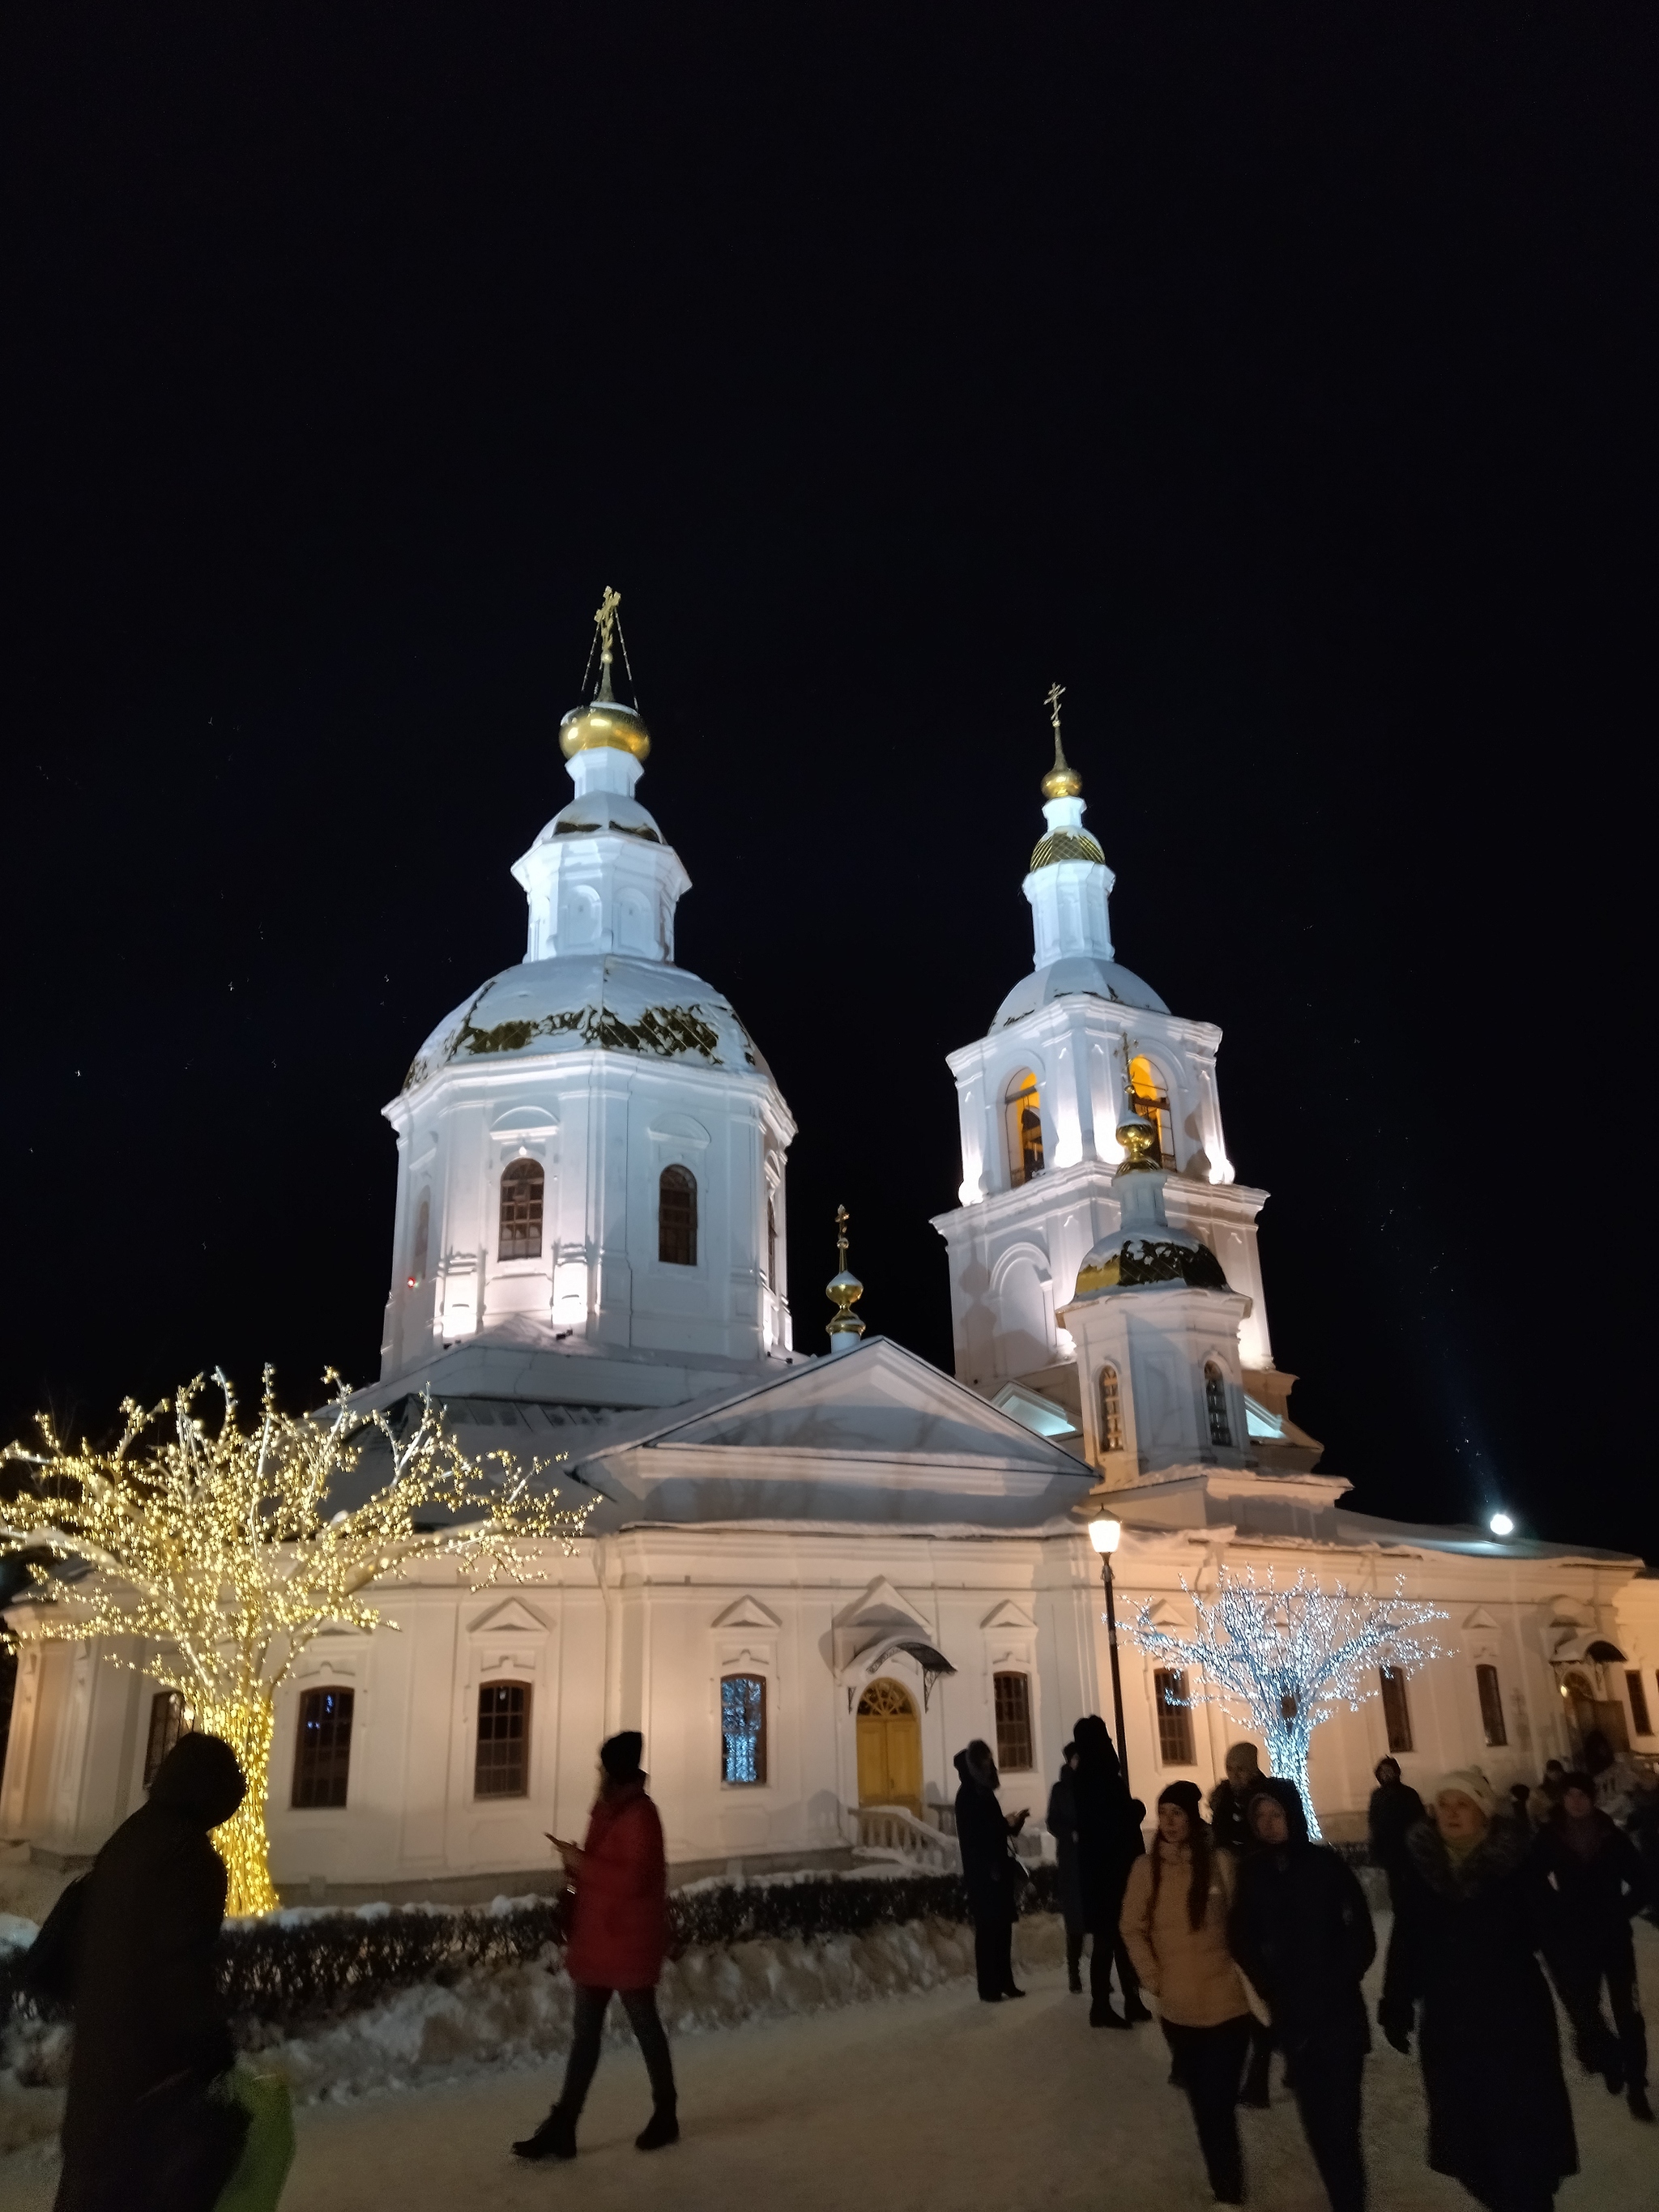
{"points": [[1024, 1111], [167, 1725], [743, 1730], [1491, 1706], [1396, 1712], [500, 1767], [322, 1750], [1012, 1694], [1638, 1703], [1175, 1718], [418, 1255], [522, 1186], [1215, 1406], [676, 1218], [1151, 1101], [1111, 1411]]}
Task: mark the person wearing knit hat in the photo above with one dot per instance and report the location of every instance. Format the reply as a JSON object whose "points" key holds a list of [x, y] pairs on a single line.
{"points": [[1175, 1923], [618, 1936], [1470, 1920], [1468, 1782]]}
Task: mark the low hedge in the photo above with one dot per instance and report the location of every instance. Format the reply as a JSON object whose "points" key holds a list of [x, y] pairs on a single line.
{"points": [[288, 1974]]}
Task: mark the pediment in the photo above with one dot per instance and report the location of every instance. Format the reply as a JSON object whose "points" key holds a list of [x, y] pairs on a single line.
{"points": [[878, 1400], [1162, 1613], [512, 1617], [881, 1607], [1480, 1618], [1009, 1615], [746, 1611]]}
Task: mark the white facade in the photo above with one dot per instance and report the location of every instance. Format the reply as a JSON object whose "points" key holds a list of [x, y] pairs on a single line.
{"points": [[829, 1535]]}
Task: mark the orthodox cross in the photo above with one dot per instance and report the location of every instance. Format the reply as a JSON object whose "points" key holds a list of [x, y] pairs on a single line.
{"points": [[1051, 699], [842, 1220], [1131, 1046], [605, 617]]}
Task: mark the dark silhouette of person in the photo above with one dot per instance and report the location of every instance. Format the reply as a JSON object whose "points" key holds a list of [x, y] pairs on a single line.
{"points": [[1110, 1842], [141, 2132]]}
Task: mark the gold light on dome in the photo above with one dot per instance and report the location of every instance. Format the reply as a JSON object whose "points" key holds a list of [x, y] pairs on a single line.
{"points": [[217, 1551]]}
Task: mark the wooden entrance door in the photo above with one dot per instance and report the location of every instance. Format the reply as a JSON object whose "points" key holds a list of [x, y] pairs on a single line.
{"points": [[889, 1747]]}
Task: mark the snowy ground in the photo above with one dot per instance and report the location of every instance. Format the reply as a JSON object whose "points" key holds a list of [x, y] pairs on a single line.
{"points": [[907, 2101]]}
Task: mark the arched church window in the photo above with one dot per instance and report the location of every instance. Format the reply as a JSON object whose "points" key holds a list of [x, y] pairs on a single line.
{"points": [[417, 1250], [676, 1217], [1024, 1113], [1151, 1101], [522, 1185], [1111, 1411], [771, 1244], [1215, 1406]]}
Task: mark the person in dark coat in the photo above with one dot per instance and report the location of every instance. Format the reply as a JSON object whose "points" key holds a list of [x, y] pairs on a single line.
{"points": [[1062, 1826], [984, 1833], [1240, 1778], [1395, 1810], [1241, 1771], [1598, 1884], [141, 2131], [1301, 1931], [618, 1937], [1470, 1920], [1110, 1842]]}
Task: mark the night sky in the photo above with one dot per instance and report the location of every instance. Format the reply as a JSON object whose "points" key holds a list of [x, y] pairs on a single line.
{"points": [[1280, 380]]}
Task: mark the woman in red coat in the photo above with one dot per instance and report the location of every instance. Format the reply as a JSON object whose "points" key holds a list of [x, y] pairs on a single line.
{"points": [[618, 1931]]}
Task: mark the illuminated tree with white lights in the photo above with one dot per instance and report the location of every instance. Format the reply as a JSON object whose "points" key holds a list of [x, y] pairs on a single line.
{"points": [[216, 1548], [1283, 1660]]}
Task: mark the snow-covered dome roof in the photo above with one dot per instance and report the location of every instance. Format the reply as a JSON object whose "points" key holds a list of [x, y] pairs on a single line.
{"points": [[577, 1002], [602, 810], [1076, 976]]}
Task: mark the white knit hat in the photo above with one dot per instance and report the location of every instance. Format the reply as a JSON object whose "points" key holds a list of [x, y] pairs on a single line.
{"points": [[1468, 1782]]}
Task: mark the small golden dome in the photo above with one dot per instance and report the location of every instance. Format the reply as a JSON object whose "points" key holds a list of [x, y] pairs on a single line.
{"points": [[1062, 781], [603, 722]]}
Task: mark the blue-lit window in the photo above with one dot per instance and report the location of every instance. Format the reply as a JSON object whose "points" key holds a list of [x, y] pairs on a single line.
{"points": [[743, 1729]]}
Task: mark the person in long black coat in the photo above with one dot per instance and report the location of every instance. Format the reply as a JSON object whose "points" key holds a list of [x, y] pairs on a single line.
{"points": [[1598, 1884], [140, 2132], [1109, 1843], [984, 1832], [1301, 1931], [1061, 1820], [1395, 1810], [1471, 1919]]}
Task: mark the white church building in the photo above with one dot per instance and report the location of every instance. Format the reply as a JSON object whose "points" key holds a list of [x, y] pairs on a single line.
{"points": [[811, 1575]]}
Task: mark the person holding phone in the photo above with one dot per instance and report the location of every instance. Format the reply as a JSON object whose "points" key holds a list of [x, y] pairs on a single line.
{"points": [[618, 1936]]}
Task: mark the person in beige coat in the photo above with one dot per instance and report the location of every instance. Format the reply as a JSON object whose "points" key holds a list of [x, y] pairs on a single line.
{"points": [[1175, 1923]]}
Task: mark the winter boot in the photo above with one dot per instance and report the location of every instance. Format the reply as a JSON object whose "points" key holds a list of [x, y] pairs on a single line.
{"points": [[1137, 2015], [554, 2138], [1637, 2098], [1104, 2017], [1074, 1981], [663, 2127]]}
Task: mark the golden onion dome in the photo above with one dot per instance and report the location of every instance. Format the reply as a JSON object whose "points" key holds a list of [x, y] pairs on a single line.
{"points": [[1062, 781], [604, 722]]}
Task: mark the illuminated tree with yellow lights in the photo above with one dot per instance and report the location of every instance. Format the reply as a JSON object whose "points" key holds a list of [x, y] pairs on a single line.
{"points": [[215, 1546]]}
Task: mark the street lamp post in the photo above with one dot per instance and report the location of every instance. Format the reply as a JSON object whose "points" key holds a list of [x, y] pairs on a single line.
{"points": [[1104, 1531]]}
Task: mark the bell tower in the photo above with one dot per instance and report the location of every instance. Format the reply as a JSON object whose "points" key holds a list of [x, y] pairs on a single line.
{"points": [[1039, 1102]]}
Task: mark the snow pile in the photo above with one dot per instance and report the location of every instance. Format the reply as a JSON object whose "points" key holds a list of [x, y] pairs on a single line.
{"points": [[521, 2017]]}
